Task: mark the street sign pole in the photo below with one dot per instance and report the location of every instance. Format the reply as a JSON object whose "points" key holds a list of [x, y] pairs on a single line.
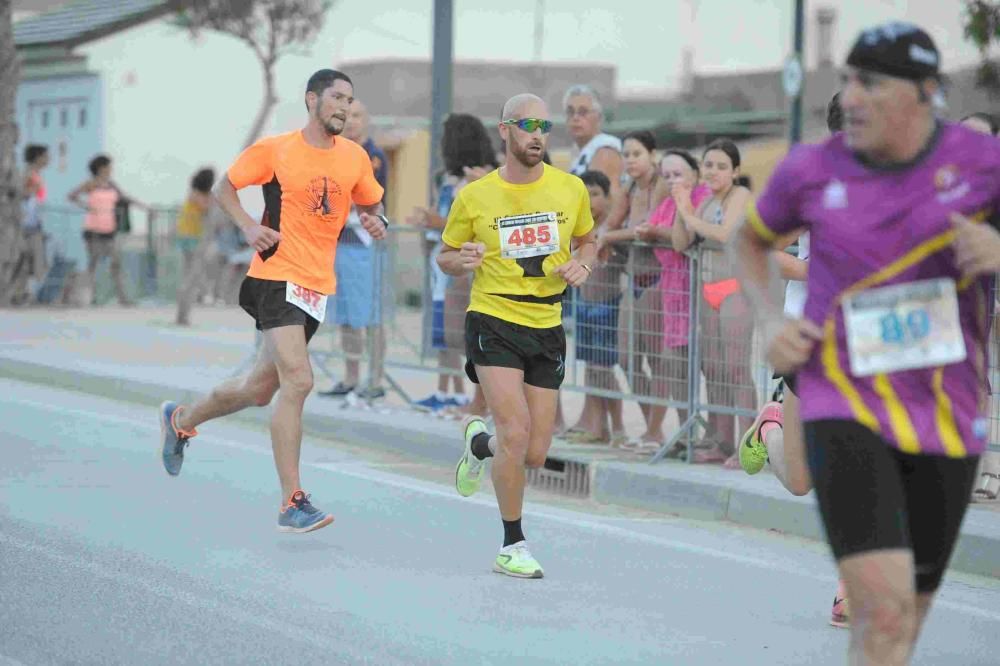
{"points": [[794, 75], [441, 88]]}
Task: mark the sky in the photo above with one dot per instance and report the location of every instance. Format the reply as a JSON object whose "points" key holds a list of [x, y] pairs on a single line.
{"points": [[162, 90], [644, 38]]}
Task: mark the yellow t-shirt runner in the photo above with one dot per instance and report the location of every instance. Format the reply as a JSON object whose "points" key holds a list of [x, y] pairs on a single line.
{"points": [[527, 230]]}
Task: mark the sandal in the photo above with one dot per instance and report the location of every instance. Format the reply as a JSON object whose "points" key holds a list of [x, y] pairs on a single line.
{"points": [[642, 446], [582, 437], [619, 440], [989, 487], [712, 456]]}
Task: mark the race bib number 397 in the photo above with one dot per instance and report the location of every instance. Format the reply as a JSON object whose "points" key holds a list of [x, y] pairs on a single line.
{"points": [[311, 302], [904, 327], [523, 236]]}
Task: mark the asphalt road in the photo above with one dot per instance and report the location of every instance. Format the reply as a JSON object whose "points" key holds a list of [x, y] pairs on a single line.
{"points": [[104, 559]]}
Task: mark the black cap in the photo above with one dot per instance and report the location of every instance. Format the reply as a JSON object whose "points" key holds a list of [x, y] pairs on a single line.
{"points": [[900, 50]]}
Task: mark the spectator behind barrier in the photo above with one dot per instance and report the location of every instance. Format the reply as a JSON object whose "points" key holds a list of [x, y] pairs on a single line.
{"points": [[468, 154], [32, 265], [989, 466], [596, 314], [727, 322], [676, 167], [357, 305], [107, 209], [193, 242], [640, 322]]}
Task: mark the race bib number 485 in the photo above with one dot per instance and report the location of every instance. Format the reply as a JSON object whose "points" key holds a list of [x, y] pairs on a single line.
{"points": [[311, 302], [523, 236], [904, 327]]}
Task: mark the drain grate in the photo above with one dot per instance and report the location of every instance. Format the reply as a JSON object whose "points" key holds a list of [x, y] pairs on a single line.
{"points": [[566, 477]]}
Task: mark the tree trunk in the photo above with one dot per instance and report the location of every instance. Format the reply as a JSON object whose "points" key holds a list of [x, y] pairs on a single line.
{"points": [[10, 185], [266, 106]]}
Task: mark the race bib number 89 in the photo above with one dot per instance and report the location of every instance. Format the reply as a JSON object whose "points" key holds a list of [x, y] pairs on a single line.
{"points": [[523, 236], [903, 327]]}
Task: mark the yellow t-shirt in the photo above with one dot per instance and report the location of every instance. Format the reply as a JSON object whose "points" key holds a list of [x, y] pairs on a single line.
{"points": [[189, 222], [527, 230]]}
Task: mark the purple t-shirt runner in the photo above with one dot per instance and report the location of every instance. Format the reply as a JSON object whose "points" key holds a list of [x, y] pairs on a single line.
{"points": [[876, 228]]}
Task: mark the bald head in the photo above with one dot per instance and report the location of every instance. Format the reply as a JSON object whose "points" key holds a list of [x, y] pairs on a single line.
{"points": [[524, 105], [524, 147], [356, 127]]}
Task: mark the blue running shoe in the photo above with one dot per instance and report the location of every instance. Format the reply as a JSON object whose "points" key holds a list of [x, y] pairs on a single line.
{"points": [[431, 404], [173, 439], [300, 516]]}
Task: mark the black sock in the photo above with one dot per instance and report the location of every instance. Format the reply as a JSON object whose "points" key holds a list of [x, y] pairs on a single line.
{"points": [[481, 446], [512, 532]]}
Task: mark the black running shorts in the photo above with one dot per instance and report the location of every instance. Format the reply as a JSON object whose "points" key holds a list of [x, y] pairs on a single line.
{"points": [[874, 497], [264, 300], [539, 352]]}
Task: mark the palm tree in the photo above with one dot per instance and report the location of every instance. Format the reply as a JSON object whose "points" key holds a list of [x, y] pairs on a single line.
{"points": [[270, 28]]}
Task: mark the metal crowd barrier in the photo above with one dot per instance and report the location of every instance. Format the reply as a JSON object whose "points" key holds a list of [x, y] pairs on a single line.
{"points": [[706, 362], [150, 260], [640, 330]]}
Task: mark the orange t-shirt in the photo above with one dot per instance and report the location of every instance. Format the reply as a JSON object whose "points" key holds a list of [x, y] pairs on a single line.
{"points": [[307, 195]]}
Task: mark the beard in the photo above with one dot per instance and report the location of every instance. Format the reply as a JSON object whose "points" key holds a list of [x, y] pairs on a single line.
{"points": [[526, 157], [328, 125], [331, 129]]}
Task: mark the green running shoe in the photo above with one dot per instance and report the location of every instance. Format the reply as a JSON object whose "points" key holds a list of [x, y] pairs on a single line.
{"points": [[753, 453], [470, 469], [516, 560]]}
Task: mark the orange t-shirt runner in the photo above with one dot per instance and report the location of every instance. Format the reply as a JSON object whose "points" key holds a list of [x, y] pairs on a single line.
{"points": [[308, 193]]}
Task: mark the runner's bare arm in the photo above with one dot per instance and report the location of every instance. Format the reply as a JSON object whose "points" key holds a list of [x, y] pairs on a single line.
{"points": [[257, 235], [790, 268], [755, 264], [789, 343], [458, 261], [977, 247], [374, 221], [576, 271]]}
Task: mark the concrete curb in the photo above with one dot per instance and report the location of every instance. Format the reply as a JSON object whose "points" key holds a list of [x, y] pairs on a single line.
{"points": [[674, 489]]}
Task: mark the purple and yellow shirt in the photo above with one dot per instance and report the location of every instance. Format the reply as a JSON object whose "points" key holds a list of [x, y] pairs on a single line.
{"points": [[873, 228]]}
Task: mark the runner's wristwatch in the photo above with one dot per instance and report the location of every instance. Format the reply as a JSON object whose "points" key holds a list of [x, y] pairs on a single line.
{"points": [[384, 219]]}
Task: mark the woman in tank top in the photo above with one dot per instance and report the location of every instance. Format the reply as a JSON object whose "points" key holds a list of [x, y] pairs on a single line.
{"points": [[640, 318], [100, 197], [726, 319]]}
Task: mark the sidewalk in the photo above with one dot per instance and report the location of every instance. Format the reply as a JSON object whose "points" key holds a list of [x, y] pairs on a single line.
{"points": [[137, 354]]}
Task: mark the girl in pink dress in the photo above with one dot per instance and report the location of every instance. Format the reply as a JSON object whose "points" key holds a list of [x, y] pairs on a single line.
{"points": [[671, 367]]}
